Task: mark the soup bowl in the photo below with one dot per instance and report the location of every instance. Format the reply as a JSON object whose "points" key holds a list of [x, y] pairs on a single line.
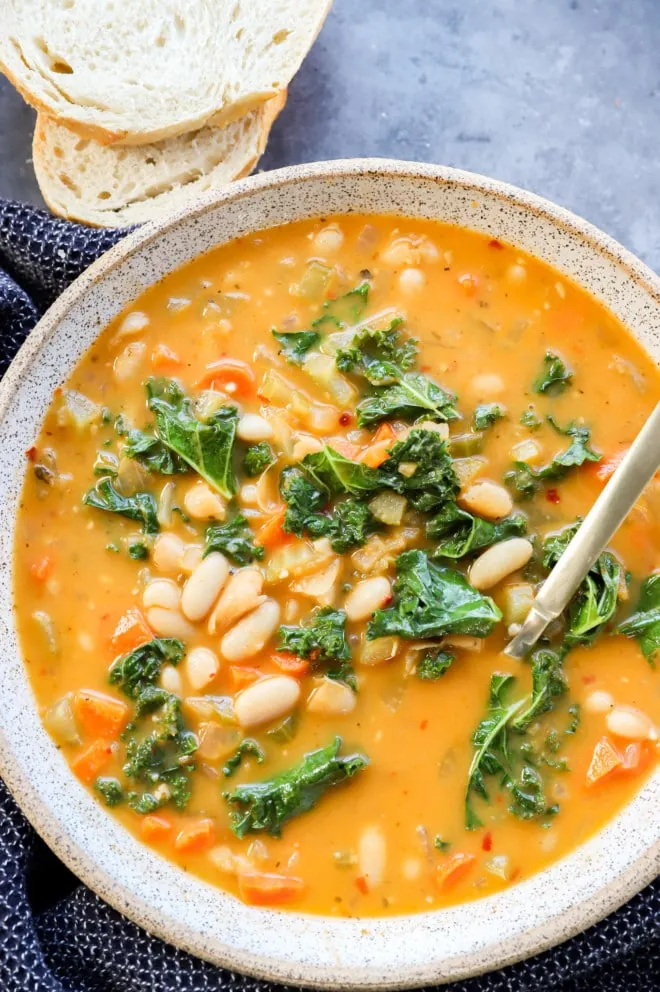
{"points": [[405, 951]]}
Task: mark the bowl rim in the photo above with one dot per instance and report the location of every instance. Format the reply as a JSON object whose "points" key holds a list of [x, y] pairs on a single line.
{"points": [[540, 938]]}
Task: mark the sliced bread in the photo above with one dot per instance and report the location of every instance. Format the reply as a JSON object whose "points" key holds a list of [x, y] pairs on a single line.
{"points": [[110, 186], [137, 71]]}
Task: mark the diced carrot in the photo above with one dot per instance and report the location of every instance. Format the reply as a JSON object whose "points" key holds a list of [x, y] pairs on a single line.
{"points": [[242, 676], [164, 357], [454, 869], [606, 467], [42, 568], [91, 762], [272, 534], [376, 453], [130, 632], [384, 433], [361, 885], [291, 663], [268, 888], [195, 837], [229, 374], [99, 715], [604, 761], [155, 828]]}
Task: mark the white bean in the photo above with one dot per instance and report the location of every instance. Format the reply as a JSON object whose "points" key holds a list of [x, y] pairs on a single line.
{"points": [[169, 623], [331, 698], [372, 856], [161, 592], [516, 273], [631, 723], [128, 362], [599, 701], [241, 594], [170, 680], [202, 666], [487, 499], [249, 635], [203, 587], [367, 596], [252, 427], [499, 561], [266, 700], [411, 280], [168, 549], [305, 445], [202, 503], [329, 239], [486, 385]]}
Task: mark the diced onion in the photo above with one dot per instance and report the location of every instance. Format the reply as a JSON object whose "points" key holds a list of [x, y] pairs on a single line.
{"points": [[165, 501], [379, 650], [46, 623], [321, 585], [323, 370], [60, 722], [217, 741], [297, 559], [388, 508], [77, 410]]}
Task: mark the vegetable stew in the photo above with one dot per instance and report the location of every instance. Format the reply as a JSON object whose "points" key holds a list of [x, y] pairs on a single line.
{"points": [[275, 533]]}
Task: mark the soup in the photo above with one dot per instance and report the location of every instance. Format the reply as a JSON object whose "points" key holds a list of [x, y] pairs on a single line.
{"points": [[277, 529]]}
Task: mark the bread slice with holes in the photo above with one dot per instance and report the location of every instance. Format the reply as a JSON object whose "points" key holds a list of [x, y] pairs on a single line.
{"points": [[132, 72], [110, 186]]}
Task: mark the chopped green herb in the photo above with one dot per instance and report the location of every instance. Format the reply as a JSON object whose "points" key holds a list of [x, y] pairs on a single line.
{"points": [[248, 746], [138, 550], [555, 376], [268, 805], [529, 419], [140, 506], [440, 844], [432, 601], [235, 540], [110, 790], [257, 458], [487, 414], [206, 446]]}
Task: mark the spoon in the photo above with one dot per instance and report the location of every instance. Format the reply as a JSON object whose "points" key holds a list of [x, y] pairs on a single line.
{"points": [[603, 520]]}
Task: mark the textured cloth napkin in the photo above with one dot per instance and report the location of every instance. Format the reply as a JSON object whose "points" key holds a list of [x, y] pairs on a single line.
{"points": [[55, 934]]}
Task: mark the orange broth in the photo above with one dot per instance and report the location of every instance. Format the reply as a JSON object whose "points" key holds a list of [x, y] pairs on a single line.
{"points": [[484, 315]]}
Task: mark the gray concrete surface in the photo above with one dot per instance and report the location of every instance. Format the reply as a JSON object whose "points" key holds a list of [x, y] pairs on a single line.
{"points": [[559, 96]]}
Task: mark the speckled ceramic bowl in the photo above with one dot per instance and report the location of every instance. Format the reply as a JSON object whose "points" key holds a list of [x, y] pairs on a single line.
{"points": [[407, 951]]}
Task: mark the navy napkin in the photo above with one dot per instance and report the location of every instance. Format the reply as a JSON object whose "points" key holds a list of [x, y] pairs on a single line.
{"points": [[55, 934]]}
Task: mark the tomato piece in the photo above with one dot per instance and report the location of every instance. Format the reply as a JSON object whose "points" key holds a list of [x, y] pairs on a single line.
{"points": [[99, 715], [164, 357], [290, 663], [42, 569], [155, 828], [362, 885], [384, 433], [131, 631], [195, 837], [229, 374], [454, 869], [604, 761], [272, 534], [242, 676], [268, 888], [91, 762]]}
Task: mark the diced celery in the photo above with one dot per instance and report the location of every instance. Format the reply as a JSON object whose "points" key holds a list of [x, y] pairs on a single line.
{"points": [[314, 282], [322, 369], [518, 599], [466, 445], [388, 508]]}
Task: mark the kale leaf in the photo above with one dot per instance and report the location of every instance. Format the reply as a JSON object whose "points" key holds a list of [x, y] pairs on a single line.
{"points": [[460, 533], [346, 525], [644, 624], [433, 665], [248, 746], [296, 344], [432, 601], [346, 309], [110, 790], [529, 419], [548, 682], [153, 454], [140, 506], [595, 601], [234, 539], [411, 395], [373, 352], [138, 550], [257, 458], [206, 446], [421, 468], [323, 637], [487, 414], [163, 758], [134, 671], [349, 525], [337, 475], [526, 480], [555, 376], [268, 805]]}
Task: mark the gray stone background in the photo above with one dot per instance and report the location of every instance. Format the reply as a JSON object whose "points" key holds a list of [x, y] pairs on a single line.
{"points": [[559, 96]]}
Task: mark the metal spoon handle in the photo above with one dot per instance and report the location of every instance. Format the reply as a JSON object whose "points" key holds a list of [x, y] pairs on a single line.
{"points": [[601, 523]]}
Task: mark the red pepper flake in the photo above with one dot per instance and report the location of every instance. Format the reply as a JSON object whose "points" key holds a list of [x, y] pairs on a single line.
{"points": [[345, 419], [494, 243], [588, 679], [487, 842], [515, 874], [31, 454], [361, 884], [424, 724], [552, 496]]}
